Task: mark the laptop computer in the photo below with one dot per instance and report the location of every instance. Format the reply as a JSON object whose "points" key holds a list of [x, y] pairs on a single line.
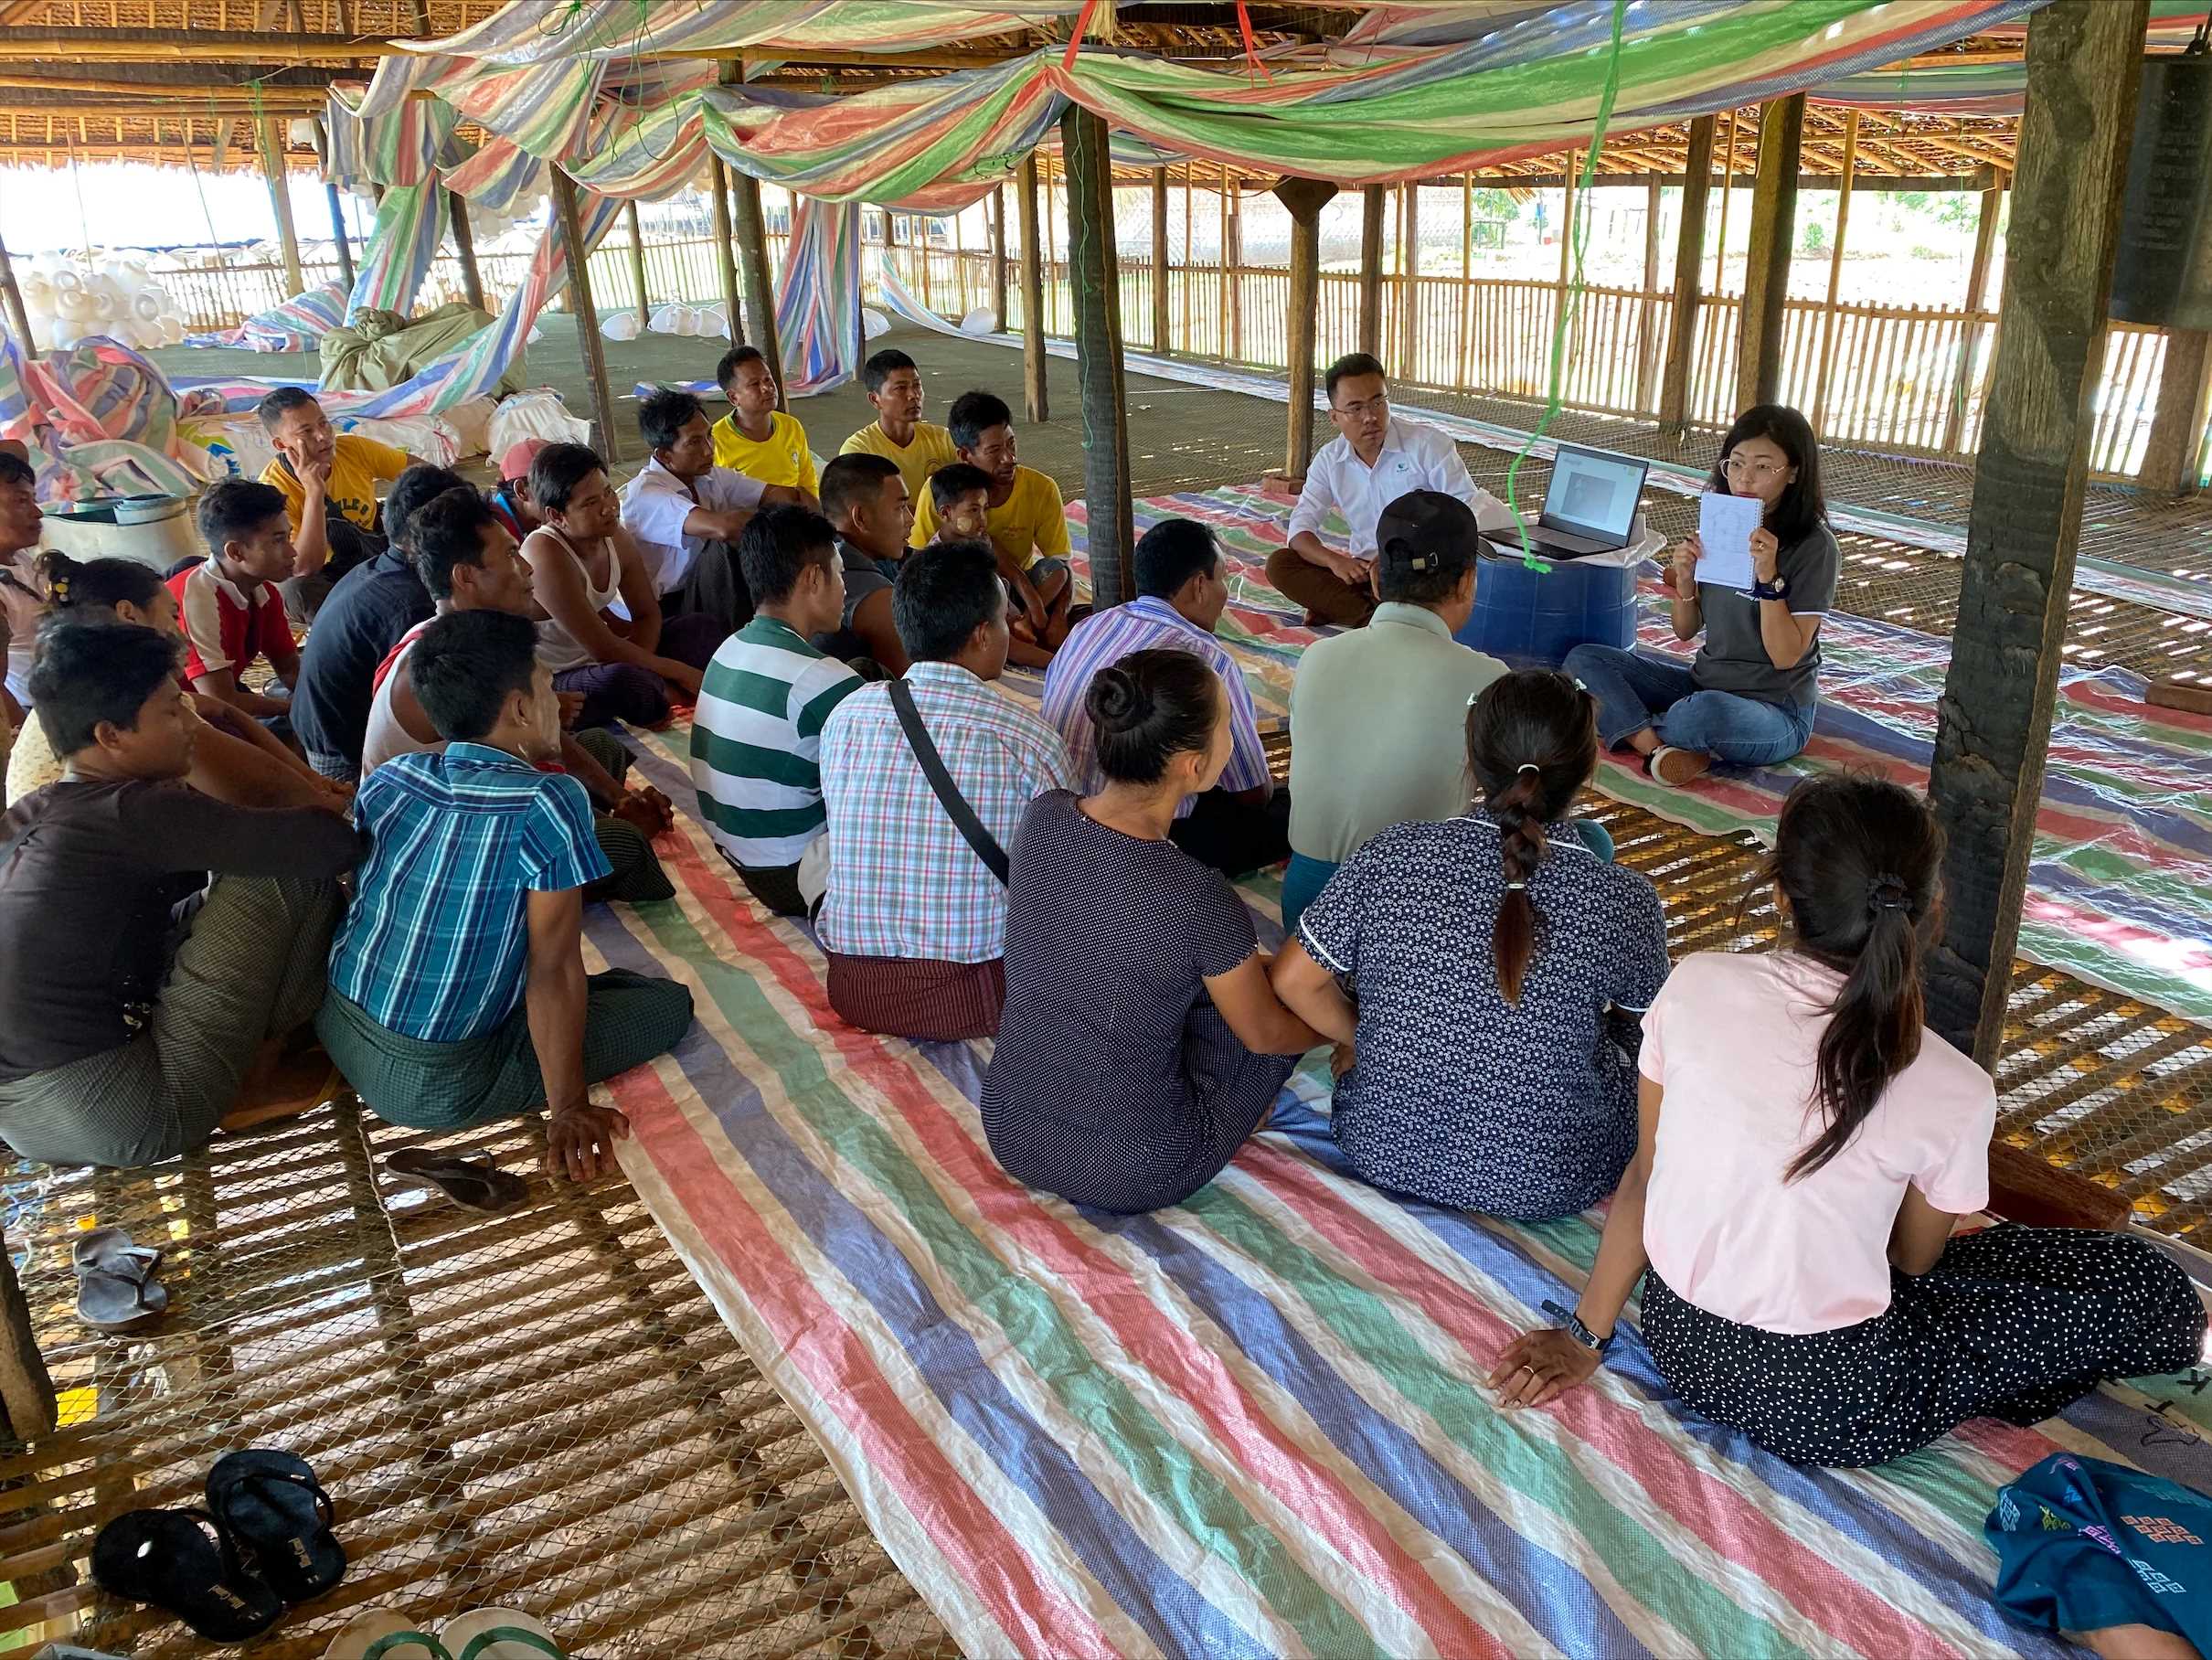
{"points": [[1589, 505]]}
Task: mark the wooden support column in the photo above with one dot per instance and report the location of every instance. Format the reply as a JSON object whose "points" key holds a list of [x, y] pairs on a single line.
{"points": [[1689, 259], [2176, 442], [1370, 270], [1647, 329], [1305, 197], [751, 227], [1409, 282], [26, 1389], [1977, 296], [465, 250], [280, 202], [588, 341], [1766, 278], [1094, 281], [1728, 193], [725, 243], [637, 262], [1828, 327], [1232, 266], [18, 319], [338, 238], [2084, 64], [998, 258], [1034, 401], [1162, 322]]}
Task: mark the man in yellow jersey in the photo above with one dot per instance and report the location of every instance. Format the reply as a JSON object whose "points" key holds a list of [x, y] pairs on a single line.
{"points": [[1026, 519], [756, 438], [917, 447], [328, 480]]}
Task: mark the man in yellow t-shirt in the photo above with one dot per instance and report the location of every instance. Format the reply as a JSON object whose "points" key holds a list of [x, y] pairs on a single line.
{"points": [[1027, 521], [756, 438], [328, 481], [915, 446]]}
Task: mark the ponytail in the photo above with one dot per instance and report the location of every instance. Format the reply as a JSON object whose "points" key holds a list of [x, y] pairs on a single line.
{"points": [[94, 584], [1532, 744], [1859, 861]]}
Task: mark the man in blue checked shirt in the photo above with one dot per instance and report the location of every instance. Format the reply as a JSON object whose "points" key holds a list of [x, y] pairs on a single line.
{"points": [[458, 992]]}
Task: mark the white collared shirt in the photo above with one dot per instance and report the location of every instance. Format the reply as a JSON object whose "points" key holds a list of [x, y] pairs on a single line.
{"points": [[656, 503], [1412, 458]]}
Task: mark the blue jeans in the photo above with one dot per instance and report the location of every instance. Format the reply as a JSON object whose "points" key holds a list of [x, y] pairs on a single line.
{"points": [[1635, 692], [1303, 878]]}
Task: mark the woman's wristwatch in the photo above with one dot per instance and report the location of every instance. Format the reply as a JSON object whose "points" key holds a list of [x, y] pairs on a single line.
{"points": [[1573, 1326], [1779, 588]]}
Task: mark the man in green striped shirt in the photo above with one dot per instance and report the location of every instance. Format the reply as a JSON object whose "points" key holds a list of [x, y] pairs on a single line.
{"points": [[755, 741]]}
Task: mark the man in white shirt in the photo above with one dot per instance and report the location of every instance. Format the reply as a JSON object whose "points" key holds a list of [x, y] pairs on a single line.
{"points": [[685, 514], [1373, 460]]}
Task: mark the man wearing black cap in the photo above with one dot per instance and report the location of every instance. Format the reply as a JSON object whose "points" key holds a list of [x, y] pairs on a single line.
{"points": [[1378, 717]]}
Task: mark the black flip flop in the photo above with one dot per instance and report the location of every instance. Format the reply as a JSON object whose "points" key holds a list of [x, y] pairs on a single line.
{"points": [[472, 1183], [180, 1562], [271, 1503]]}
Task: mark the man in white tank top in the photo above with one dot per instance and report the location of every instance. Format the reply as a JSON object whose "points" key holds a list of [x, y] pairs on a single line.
{"points": [[468, 562]]}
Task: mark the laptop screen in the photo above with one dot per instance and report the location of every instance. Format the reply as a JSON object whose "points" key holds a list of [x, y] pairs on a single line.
{"points": [[1594, 494]]}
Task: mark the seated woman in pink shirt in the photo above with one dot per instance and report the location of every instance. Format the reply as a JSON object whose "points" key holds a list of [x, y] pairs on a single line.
{"points": [[1806, 1147]]}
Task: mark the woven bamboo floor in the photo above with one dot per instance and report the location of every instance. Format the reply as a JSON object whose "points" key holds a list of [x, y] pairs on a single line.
{"points": [[538, 1410]]}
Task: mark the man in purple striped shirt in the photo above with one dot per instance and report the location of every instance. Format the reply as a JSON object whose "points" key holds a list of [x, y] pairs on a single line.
{"points": [[1243, 822]]}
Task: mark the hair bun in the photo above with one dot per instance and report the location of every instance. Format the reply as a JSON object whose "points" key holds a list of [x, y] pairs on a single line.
{"points": [[1114, 702]]}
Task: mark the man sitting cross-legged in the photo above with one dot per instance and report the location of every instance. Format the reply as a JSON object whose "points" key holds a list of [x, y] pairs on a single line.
{"points": [[127, 1037], [469, 562], [914, 922], [756, 438], [685, 514], [756, 739], [898, 433], [229, 603], [864, 497], [1026, 519], [623, 661], [458, 991], [328, 480], [1242, 823], [367, 612]]}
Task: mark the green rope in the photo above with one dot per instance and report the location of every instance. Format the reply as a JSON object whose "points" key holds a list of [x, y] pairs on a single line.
{"points": [[1578, 236]]}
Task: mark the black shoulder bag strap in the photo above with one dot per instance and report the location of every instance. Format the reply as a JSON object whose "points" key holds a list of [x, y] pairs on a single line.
{"points": [[971, 828]]}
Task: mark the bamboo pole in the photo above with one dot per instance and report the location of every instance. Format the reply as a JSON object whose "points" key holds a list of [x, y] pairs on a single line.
{"points": [[1233, 259], [1994, 721], [1977, 295], [1728, 189], [1220, 266], [725, 242], [752, 228], [1689, 260], [998, 258], [18, 318], [589, 343], [465, 250], [1835, 270], [1371, 270], [637, 261], [1647, 322], [1160, 321], [280, 200], [1032, 294], [1409, 283]]}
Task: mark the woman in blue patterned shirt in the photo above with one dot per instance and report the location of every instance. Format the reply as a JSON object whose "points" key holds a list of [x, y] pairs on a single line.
{"points": [[1473, 965]]}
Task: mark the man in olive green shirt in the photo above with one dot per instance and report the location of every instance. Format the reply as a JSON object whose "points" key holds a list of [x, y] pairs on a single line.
{"points": [[1378, 715]]}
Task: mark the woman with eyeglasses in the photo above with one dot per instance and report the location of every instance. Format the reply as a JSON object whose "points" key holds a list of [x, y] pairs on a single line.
{"points": [[1477, 967], [1749, 694]]}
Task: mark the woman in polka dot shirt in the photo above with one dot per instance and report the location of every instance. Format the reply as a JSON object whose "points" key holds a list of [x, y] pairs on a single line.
{"points": [[1806, 1148]]}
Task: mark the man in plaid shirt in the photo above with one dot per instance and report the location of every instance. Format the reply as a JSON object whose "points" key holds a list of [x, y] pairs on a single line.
{"points": [[914, 922]]}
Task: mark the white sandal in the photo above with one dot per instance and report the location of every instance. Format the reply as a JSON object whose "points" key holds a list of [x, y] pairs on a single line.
{"points": [[499, 1634]]}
